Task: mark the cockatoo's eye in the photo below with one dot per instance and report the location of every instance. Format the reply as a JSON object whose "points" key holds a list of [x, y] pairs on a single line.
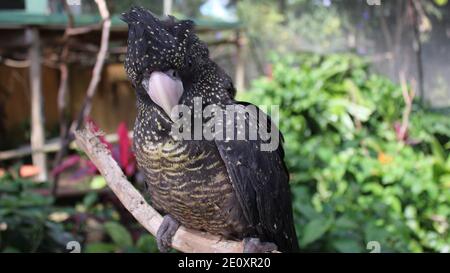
{"points": [[173, 74]]}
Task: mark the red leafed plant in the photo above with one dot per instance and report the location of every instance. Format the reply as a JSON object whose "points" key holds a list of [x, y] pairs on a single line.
{"points": [[126, 160], [121, 152]]}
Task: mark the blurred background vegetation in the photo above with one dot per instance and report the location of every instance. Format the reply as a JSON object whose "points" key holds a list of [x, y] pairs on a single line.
{"points": [[364, 95]]}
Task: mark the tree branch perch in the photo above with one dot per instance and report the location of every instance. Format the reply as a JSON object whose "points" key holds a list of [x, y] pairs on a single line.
{"points": [[185, 240]]}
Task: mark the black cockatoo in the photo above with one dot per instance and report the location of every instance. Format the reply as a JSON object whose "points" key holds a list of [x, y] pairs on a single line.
{"points": [[227, 187]]}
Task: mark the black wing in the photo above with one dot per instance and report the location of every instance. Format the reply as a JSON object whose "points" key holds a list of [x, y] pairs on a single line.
{"points": [[261, 181]]}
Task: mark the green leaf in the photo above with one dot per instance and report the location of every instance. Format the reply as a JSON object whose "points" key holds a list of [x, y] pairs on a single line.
{"points": [[100, 248], [98, 182], [360, 112], [438, 151], [90, 199], [445, 180], [9, 249], [347, 246], [147, 244], [346, 222], [441, 2], [314, 230], [119, 234]]}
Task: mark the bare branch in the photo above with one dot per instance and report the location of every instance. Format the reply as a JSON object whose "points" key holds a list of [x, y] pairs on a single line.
{"points": [[408, 97], [15, 63], [82, 30], [62, 95], [51, 146], [96, 72]]}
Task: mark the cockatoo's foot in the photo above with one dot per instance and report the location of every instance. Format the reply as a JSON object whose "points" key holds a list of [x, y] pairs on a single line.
{"points": [[165, 233], [254, 245]]}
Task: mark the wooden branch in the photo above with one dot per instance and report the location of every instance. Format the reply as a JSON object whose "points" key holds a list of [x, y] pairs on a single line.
{"points": [[185, 240], [408, 97], [62, 95], [16, 63], [73, 31], [98, 67], [53, 145]]}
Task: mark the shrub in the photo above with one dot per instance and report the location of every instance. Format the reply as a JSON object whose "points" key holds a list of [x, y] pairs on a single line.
{"points": [[26, 223], [353, 181]]}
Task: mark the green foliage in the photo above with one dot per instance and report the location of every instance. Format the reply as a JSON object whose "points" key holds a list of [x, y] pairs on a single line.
{"points": [[30, 222], [25, 224], [353, 181], [121, 241], [118, 234]]}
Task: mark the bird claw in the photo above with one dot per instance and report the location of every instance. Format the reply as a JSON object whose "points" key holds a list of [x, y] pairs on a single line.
{"points": [[165, 233], [254, 245]]}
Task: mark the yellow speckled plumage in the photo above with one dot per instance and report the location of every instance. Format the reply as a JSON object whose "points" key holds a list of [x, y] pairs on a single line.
{"points": [[186, 180], [224, 187]]}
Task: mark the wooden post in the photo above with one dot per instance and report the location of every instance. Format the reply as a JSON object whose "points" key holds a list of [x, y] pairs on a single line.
{"points": [[37, 115], [167, 7], [240, 63], [416, 7]]}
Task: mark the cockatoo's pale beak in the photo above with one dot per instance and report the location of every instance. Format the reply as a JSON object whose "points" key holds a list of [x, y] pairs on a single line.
{"points": [[165, 90]]}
